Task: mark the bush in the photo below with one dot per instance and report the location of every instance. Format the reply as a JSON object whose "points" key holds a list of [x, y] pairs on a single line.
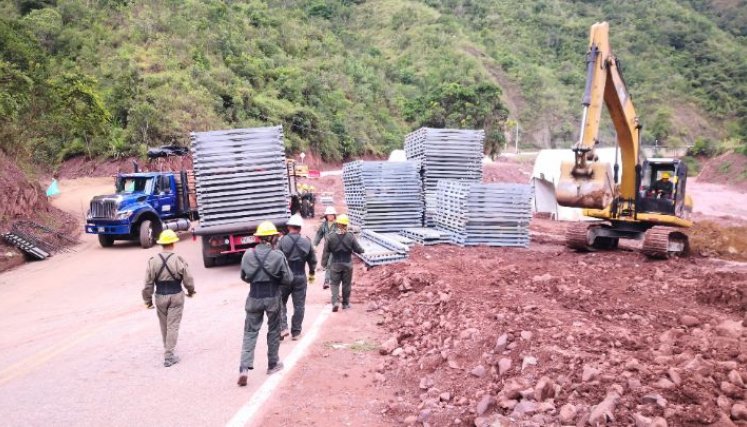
{"points": [[693, 167], [703, 147]]}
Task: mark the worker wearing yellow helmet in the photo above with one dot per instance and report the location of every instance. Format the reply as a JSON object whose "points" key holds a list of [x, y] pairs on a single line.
{"points": [[167, 273], [266, 270], [664, 187], [338, 257]]}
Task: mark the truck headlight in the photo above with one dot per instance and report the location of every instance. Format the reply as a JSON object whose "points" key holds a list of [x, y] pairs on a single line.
{"points": [[123, 214]]}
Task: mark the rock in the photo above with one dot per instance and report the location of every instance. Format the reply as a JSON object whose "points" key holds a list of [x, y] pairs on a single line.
{"points": [[508, 404], [426, 383], [453, 364], [567, 414], [411, 420], [664, 384], [468, 333], [444, 397], [739, 412], [589, 374], [632, 365], [659, 422], [634, 383], [524, 408], [731, 390], [478, 371], [736, 378], [399, 351], [526, 335], [545, 389], [641, 421], [604, 412], [689, 321], [723, 403], [424, 415], [512, 390], [504, 365], [527, 361], [542, 279], [486, 402], [674, 376], [730, 328], [389, 345], [655, 398], [501, 342], [379, 378], [527, 394]]}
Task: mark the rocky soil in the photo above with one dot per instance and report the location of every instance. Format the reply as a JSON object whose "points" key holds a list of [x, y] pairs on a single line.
{"points": [[547, 336]]}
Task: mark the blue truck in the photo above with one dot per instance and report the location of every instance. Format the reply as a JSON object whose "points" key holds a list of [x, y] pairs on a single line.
{"points": [[143, 205]]}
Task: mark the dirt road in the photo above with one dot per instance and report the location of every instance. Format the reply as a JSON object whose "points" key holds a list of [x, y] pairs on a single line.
{"points": [[77, 347]]}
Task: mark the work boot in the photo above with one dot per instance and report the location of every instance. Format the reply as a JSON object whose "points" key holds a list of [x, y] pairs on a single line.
{"points": [[345, 306], [277, 368], [284, 333], [243, 375], [325, 285], [170, 361], [335, 308], [296, 337]]}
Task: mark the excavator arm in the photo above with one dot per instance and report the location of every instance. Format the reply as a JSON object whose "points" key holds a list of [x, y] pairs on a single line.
{"points": [[586, 182]]}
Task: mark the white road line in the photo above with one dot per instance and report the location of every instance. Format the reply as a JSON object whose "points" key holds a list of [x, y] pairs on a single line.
{"points": [[245, 414]]}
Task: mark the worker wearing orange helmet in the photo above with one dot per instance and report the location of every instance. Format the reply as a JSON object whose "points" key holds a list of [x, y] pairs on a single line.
{"points": [[167, 273], [266, 270], [338, 257]]}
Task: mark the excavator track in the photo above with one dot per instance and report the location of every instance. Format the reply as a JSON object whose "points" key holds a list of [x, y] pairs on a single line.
{"points": [[665, 242], [577, 236]]}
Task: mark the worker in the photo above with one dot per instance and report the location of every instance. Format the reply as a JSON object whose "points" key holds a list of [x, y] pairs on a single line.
{"points": [[168, 272], [328, 226], [266, 270], [664, 186], [338, 257], [299, 253]]}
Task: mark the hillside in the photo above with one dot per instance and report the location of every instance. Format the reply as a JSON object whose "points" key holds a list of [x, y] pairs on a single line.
{"points": [[351, 77]]}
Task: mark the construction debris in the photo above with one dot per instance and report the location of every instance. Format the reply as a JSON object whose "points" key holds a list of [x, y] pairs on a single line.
{"points": [[241, 176], [383, 196], [25, 244], [484, 214], [445, 154]]}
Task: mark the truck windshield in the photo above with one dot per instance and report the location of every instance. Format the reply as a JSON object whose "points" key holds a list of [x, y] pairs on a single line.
{"points": [[126, 185]]}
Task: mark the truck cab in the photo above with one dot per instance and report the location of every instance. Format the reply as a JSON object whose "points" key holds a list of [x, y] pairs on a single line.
{"points": [[143, 205]]}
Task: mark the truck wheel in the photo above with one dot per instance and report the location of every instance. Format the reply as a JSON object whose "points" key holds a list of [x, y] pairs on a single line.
{"points": [[106, 241], [209, 262], [146, 234]]}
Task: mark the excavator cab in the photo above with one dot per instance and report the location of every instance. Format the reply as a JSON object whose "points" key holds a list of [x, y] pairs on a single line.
{"points": [[662, 189]]}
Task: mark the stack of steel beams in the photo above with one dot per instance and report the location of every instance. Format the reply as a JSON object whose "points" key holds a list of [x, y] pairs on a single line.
{"points": [[485, 214], [383, 196], [427, 236], [241, 176], [381, 249], [445, 154]]}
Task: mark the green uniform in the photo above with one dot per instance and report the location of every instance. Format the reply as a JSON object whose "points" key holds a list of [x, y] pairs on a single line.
{"points": [[167, 273], [299, 253], [338, 256], [321, 234], [265, 270]]}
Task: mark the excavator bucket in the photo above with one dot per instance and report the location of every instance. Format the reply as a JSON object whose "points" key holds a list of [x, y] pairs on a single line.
{"points": [[594, 191]]}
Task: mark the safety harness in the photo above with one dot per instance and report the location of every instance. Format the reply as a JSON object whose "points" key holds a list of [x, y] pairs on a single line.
{"points": [[167, 287], [341, 255], [263, 288], [296, 264]]}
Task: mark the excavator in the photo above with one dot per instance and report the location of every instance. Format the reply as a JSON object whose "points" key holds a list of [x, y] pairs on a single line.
{"points": [[636, 198]]}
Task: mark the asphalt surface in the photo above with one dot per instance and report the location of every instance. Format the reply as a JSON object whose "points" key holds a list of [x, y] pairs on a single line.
{"points": [[77, 346]]}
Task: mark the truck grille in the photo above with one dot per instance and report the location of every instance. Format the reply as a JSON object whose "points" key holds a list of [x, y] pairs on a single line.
{"points": [[103, 209]]}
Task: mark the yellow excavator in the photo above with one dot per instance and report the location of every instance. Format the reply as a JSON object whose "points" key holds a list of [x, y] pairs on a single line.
{"points": [[636, 198]]}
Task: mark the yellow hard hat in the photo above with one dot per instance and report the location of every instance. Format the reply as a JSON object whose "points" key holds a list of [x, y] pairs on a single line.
{"points": [[666, 175], [342, 220], [266, 228], [168, 237]]}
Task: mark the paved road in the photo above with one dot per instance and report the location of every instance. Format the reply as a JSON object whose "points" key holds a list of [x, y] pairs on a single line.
{"points": [[78, 348]]}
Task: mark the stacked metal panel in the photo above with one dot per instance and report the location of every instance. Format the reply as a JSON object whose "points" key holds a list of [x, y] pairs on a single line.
{"points": [[241, 176], [427, 236], [381, 249], [445, 154], [383, 196], [485, 214]]}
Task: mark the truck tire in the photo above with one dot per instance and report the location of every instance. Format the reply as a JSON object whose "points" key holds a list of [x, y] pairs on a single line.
{"points": [[208, 261], [146, 234], [106, 241]]}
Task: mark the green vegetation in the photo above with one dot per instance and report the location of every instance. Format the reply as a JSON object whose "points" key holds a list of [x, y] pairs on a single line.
{"points": [[350, 77], [693, 167]]}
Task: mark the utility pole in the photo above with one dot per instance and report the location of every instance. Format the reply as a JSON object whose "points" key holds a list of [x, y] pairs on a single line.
{"points": [[517, 137]]}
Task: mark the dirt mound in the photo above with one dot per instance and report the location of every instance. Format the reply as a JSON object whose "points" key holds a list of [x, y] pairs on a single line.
{"points": [[22, 199], [546, 336], [507, 170], [730, 168], [79, 167], [708, 238]]}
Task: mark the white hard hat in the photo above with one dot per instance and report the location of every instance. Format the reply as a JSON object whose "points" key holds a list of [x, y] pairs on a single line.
{"points": [[330, 211], [295, 221]]}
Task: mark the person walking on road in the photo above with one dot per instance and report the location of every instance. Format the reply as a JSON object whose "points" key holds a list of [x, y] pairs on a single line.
{"points": [[338, 257], [168, 272], [299, 253], [266, 270], [328, 226]]}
